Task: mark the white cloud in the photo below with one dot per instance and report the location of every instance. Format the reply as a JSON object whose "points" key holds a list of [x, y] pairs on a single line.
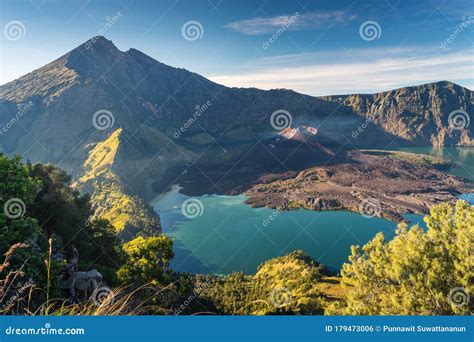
{"points": [[297, 21], [355, 74]]}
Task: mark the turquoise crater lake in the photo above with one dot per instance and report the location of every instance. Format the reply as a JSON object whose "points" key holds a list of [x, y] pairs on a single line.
{"points": [[230, 236]]}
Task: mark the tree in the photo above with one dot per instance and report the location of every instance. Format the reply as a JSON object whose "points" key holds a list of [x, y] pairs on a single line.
{"points": [[20, 235], [105, 252], [283, 285], [147, 260], [38, 204], [416, 273], [17, 192], [65, 214], [59, 208]]}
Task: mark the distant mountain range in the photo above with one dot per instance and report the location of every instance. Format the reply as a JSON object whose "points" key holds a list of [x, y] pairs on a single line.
{"points": [[419, 114], [126, 126]]}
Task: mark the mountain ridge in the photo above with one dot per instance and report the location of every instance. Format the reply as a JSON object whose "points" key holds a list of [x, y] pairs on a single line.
{"points": [[401, 116], [224, 130]]}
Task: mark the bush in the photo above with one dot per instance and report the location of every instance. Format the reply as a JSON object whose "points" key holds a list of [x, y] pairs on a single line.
{"points": [[416, 273]]}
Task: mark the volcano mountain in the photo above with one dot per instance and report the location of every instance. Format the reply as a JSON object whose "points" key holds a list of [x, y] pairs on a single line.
{"points": [[126, 127]]}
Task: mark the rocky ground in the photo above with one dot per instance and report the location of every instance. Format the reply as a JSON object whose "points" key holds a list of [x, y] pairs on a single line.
{"points": [[374, 183]]}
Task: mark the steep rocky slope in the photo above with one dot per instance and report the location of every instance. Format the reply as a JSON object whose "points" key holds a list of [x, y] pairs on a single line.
{"points": [[126, 126], [419, 114], [110, 196]]}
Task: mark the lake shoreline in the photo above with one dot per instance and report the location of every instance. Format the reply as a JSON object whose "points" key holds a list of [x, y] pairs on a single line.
{"points": [[231, 236], [206, 244]]}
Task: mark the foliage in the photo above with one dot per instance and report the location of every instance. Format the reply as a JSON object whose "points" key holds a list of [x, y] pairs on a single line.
{"points": [[16, 184], [284, 285], [110, 197], [104, 250], [65, 214], [147, 260], [47, 207], [416, 273], [20, 235], [119, 302], [58, 208]]}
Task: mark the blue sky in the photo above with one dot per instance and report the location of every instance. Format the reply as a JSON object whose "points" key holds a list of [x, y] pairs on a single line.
{"points": [[315, 47]]}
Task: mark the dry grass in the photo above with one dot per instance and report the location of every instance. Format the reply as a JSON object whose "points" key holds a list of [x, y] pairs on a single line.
{"points": [[331, 288], [121, 301], [7, 282]]}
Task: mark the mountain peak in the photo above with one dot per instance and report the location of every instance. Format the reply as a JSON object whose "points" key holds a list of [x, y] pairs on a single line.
{"points": [[89, 60], [93, 57], [98, 42], [97, 45]]}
